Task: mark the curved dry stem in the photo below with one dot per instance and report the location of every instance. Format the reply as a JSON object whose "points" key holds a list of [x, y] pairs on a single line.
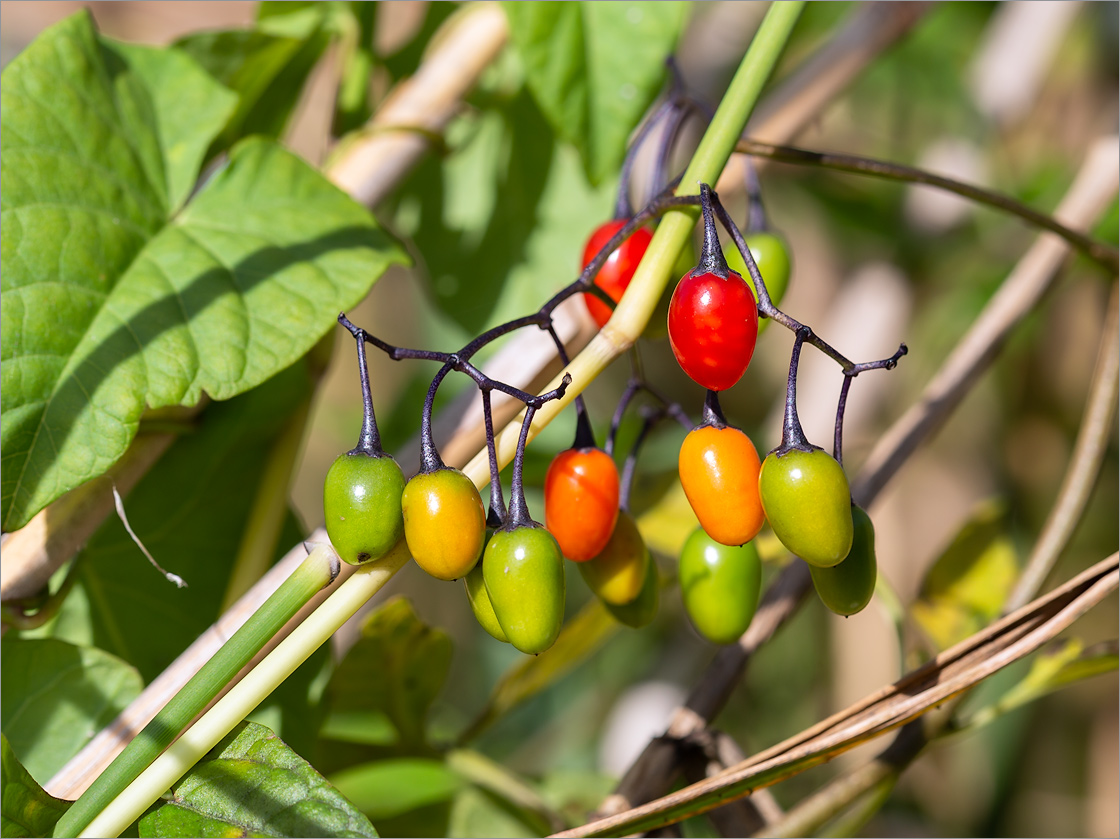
{"points": [[950, 673], [1100, 252], [1094, 188], [1085, 464]]}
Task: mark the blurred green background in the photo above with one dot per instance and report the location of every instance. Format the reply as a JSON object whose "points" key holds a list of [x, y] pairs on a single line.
{"points": [[1008, 95]]}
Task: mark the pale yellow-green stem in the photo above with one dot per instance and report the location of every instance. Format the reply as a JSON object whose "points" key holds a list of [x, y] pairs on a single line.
{"points": [[243, 697], [637, 304]]}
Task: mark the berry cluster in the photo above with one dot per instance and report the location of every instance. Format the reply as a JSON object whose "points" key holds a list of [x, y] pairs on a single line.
{"points": [[513, 567]]}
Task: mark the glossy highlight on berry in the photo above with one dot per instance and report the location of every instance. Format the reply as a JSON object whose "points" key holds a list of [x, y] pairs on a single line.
{"points": [[524, 575], [808, 503], [581, 491], [444, 522], [362, 505], [713, 326], [719, 468]]}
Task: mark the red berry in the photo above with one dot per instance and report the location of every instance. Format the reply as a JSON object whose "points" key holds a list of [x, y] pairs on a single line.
{"points": [[618, 270], [713, 325]]}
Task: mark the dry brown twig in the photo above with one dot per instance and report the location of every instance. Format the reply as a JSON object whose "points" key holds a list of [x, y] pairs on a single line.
{"points": [[952, 672], [1085, 463], [884, 770]]}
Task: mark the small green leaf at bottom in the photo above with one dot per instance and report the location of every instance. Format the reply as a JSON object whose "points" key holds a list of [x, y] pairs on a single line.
{"points": [[252, 784], [25, 809]]}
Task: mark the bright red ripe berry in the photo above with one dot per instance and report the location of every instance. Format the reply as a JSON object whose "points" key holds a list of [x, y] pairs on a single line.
{"points": [[713, 326], [616, 273]]}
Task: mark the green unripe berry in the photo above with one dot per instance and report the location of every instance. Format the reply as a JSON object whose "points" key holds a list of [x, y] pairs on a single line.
{"points": [[480, 603], [771, 255], [524, 574], [808, 503], [362, 505], [846, 588], [720, 586]]}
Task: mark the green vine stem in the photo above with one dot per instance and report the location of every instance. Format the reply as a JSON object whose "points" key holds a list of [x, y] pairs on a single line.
{"points": [[242, 698], [644, 291], [314, 573]]}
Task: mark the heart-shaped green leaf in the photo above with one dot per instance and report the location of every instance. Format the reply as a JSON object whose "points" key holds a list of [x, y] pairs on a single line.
{"points": [[594, 68], [267, 70], [189, 108], [110, 303], [252, 784]]}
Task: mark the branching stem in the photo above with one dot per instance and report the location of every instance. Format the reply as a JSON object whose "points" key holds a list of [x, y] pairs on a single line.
{"points": [[1099, 252]]}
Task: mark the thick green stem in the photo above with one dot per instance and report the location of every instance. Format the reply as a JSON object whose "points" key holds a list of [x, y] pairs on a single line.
{"points": [[742, 94], [318, 570], [247, 694]]}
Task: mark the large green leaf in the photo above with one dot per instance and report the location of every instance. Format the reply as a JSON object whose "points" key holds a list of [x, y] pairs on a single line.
{"points": [[595, 67], [110, 302], [268, 72], [211, 476], [237, 286], [189, 109], [478, 208], [54, 697], [397, 667], [25, 808], [967, 586], [251, 784]]}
